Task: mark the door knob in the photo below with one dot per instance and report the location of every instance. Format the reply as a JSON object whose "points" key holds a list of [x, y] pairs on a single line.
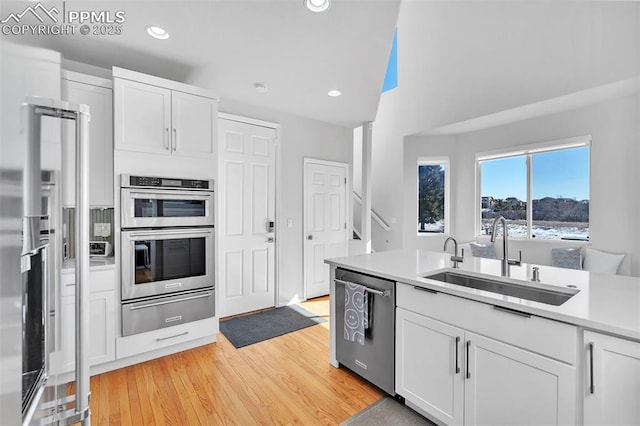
{"points": [[270, 240], [309, 237]]}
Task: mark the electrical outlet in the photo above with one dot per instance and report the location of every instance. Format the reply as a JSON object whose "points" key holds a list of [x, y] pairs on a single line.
{"points": [[101, 229], [289, 223]]}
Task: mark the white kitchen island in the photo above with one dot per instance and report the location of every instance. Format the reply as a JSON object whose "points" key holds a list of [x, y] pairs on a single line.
{"points": [[469, 356]]}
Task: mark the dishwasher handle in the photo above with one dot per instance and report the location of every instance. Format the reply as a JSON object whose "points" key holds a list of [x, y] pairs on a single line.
{"points": [[384, 293]]}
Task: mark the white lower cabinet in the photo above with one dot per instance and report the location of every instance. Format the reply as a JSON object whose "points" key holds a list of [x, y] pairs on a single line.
{"points": [[429, 366], [102, 329], [506, 385], [460, 377], [612, 380]]}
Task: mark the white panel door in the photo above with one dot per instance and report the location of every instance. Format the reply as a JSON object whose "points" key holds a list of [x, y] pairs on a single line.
{"points": [[325, 222], [506, 385], [194, 121], [246, 220], [613, 392]]}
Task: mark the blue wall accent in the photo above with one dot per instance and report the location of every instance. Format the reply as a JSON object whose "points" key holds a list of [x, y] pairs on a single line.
{"points": [[391, 77]]}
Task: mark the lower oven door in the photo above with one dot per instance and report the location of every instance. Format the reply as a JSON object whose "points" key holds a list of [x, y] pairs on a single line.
{"points": [[162, 261], [161, 312]]}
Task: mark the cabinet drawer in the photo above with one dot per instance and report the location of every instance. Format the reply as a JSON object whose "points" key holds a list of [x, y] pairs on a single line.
{"points": [[101, 280], [104, 280], [158, 339], [68, 283], [154, 314], [547, 337]]}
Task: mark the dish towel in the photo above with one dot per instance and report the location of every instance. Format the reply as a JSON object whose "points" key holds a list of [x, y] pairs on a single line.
{"points": [[356, 313]]}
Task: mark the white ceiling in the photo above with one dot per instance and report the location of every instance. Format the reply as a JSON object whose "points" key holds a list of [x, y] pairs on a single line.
{"points": [[227, 46]]}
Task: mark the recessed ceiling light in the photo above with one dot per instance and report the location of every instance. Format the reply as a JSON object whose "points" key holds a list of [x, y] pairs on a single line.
{"points": [[157, 32], [334, 93], [260, 87], [317, 5]]}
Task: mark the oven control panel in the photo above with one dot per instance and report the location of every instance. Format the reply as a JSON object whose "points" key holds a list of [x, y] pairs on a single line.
{"points": [[161, 182]]}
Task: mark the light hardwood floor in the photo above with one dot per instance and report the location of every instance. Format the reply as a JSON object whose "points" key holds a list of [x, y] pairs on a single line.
{"points": [[282, 381]]}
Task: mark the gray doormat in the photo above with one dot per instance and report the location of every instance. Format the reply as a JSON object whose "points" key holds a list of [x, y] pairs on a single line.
{"points": [[250, 329], [384, 412]]}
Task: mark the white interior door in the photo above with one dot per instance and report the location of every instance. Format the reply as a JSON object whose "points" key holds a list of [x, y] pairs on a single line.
{"points": [[325, 213], [246, 220]]}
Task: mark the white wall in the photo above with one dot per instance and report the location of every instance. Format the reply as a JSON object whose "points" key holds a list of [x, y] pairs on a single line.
{"points": [[463, 60], [299, 138], [615, 176]]}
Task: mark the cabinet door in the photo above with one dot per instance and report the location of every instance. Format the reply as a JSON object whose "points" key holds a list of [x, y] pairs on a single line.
{"points": [[67, 334], [507, 386], [613, 392], [102, 312], [142, 117], [429, 366], [99, 100], [194, 126], [102, 331]]}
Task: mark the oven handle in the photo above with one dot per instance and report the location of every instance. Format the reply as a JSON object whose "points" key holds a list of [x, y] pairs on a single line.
{"points": [[384, 293], [165, 302], [173, 195], [163, 232]]}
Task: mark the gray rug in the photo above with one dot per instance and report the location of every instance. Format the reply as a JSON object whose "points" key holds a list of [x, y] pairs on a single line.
{"points": [[250, 329], [384, 412]]}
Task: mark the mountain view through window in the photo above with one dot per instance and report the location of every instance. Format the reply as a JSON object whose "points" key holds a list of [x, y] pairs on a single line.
{"points": [[558, 198]]}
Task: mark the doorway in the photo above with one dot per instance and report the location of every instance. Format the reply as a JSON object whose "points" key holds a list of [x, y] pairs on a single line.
{"points": [[325, 221], [246, 221]]}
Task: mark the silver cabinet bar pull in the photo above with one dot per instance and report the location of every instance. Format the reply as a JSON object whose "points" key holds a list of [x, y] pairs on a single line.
{"points": [[160, 339], [174, 142], [512, 311], [592, 389], [457, 343], [165, 302], [468, 371], [166, 138], [367, 289], [428, 290]]}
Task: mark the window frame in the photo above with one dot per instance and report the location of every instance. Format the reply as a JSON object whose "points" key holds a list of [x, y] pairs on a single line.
{"points": [[528, 151], [435, 161]]}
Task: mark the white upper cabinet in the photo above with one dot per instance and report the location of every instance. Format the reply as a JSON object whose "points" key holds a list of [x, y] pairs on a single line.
{"points": [[97, 94], [142, 117], [154, 115], [193, 120]]}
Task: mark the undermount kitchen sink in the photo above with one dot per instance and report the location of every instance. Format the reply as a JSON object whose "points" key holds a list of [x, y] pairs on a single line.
{"points": [[523, 291]]}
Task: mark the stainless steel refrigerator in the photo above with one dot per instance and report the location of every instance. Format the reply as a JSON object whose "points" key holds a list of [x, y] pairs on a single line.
{"points": [[30, 259]]}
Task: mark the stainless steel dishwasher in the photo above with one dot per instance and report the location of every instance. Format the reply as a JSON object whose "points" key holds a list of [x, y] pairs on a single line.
{"points": [[375, 359]]}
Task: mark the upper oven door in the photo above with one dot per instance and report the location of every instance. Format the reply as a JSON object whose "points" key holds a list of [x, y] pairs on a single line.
{"points": [[156, 262], [148, 208]]}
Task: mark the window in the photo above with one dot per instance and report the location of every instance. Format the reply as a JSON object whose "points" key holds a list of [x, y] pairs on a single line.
{"points": [[433, 198], [391, 76], [543, 193]]}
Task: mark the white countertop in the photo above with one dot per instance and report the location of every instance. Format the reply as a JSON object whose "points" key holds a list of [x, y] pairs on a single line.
{"points": [[95, 264], [607, 303]]}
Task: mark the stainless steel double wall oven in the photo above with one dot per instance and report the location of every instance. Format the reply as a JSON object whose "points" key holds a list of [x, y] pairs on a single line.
{"points": [[167, 252]]}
